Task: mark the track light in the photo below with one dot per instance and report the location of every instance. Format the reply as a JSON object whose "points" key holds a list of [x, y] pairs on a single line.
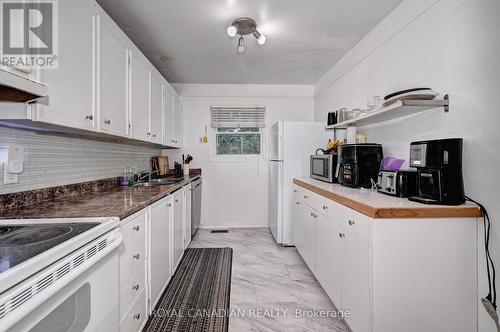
{"points": [[245, 26], [241, 46], [261, 39]]}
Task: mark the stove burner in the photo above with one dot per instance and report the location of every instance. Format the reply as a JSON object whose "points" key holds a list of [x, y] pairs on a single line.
{"points": [[33, 235]]}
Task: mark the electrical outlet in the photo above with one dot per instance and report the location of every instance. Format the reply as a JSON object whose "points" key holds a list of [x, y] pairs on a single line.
{"points": [[9, 178]]}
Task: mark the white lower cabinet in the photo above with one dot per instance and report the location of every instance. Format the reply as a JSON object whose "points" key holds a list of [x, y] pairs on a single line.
{"points": [[389, 273], [153, 244], [160, 248], [187, 216], [178, 228]]}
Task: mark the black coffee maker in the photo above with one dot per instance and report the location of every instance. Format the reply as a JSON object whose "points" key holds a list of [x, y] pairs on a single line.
{"points": [[439, 164]]}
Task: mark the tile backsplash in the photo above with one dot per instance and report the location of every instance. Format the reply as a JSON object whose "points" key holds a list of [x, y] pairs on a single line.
{"points": [[51, 160]]}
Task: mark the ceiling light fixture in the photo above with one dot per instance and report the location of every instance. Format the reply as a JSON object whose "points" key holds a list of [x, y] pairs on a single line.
{"points": [[245, 26]]}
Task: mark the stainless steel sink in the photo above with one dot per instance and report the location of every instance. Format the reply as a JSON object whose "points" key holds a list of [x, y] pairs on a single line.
{"points": [[158, 182]]}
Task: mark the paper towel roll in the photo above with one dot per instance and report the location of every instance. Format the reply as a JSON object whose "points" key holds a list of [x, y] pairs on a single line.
{"points": [[351, 135]]}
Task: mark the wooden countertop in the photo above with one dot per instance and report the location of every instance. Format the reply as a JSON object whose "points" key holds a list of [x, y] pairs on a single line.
{"points": [[377, 205]]}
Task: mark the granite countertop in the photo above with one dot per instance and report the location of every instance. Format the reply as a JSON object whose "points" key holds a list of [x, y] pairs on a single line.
{"points": [[115, 201], [378, 205]]}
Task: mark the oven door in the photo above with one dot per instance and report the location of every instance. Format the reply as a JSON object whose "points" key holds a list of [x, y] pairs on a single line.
{"points": [[88, 302], [321, 167]]}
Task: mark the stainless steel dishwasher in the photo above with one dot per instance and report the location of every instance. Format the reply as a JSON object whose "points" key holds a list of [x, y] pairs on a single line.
{"points": [[195, 206]]}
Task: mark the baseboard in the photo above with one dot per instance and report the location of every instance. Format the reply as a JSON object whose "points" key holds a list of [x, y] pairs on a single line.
{"points": [[232, 226]]}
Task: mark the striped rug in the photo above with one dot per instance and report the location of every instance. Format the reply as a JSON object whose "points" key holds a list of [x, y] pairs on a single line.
{"points": [[197, 297]]}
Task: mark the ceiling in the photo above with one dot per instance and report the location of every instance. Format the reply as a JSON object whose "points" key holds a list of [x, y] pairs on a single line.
{"points": [[187, 41]]}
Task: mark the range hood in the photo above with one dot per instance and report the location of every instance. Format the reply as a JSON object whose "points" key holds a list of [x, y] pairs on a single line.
{"points": [[14, 88]]}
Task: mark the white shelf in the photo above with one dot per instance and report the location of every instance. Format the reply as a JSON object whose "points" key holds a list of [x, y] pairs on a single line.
{"points": [[398, 109]]}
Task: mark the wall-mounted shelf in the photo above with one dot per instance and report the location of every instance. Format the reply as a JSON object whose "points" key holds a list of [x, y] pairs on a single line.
{"points": [[398, 109]]}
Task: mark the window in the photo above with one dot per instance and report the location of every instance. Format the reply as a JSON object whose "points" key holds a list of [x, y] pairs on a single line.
{"points": [[238, 141], [238, 130]]}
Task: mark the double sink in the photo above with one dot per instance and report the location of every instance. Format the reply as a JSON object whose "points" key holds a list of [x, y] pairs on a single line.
{"points": [[158, 182]]}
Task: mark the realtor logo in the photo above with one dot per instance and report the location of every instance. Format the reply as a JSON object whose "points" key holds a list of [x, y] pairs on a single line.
{"points": [[29, 33]]}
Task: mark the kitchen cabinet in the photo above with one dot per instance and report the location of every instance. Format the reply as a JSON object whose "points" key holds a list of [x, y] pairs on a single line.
{"points": [[388, 272], [71, 102], [139, 99], [172, 120], [177, 122], [187, 217], [133, 271], [113, 81], [329, 257], [156, 109], [178, 228], [160, 248]]}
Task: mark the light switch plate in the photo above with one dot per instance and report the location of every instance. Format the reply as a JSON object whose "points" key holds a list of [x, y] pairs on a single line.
{"points": [[9, 178]]}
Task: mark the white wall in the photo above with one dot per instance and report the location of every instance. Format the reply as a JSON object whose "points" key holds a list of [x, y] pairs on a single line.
{"points": [[52, 160], [235, 193], [452, 46]]}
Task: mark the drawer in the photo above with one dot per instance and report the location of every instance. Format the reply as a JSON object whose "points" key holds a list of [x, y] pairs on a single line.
{"points": [[134, 229], [136, 316], [132, 257], [131, 287]]}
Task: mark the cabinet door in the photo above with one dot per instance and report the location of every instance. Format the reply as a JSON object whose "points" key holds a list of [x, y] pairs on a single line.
{"points": [[113, 82], [329, 252], [296, 215], [168, 119], [139, 105], [309, 237], [356, 275], [177, 130], [178, 228], [71, 101], [187, 219], [159, 248], [156, 108]]}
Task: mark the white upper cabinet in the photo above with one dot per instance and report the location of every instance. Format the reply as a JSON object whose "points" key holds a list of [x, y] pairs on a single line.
{"points": [[177, 122], [71, 101], [157, 88], [168, 118], [139, 95], [113, 82]]}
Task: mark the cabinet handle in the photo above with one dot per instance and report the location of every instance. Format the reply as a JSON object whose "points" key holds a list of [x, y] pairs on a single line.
{"points": [[295, 190], [137, 316], [341, 235], [298, 203], [136, 256], [169, 205], [135, 287], [136, 228], [351, 222], [306, 197], [177, 201], [149, 134], [325, 207], [107, 122], [89, 117], [154, 135]]}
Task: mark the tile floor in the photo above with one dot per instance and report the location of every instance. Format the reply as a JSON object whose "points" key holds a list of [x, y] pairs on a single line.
{"points": [[271, 287]]}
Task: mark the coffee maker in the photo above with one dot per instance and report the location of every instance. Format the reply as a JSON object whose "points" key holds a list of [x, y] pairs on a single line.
{"points": [[359, 164], [439, 165]]}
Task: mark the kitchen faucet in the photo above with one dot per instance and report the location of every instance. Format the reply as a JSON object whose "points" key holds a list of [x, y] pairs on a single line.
{"points": [[148, 174]]}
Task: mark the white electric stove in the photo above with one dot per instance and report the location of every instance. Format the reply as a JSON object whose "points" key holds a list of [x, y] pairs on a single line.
{"points": [[59, 274]]}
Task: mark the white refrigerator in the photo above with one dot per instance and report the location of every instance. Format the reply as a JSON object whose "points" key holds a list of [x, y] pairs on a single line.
{"points": [[290, 146]]}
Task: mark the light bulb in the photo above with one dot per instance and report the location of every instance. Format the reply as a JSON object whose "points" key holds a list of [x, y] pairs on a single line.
{"points": [[241, 46], [261, 40], [231, 31]]}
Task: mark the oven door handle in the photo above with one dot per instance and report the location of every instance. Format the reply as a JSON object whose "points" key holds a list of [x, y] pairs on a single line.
{"points": [[11, 317]]}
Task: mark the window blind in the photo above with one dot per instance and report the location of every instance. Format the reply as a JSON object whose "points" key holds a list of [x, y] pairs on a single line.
{"points": [[238, 117]]}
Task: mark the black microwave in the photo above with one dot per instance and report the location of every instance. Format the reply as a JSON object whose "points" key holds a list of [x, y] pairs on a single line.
{"points": [[324, 167]]}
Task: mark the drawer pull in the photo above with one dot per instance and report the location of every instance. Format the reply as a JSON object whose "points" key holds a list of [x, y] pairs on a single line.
{"points": [[108, 122], [351, 222], [295, 190], [341, 235], [89, 117], [325, 207], [177, 201], [136, 228], [306, 197], [136, 256], [137, 316], [298, 203], [135, 287], [169, 205]]}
